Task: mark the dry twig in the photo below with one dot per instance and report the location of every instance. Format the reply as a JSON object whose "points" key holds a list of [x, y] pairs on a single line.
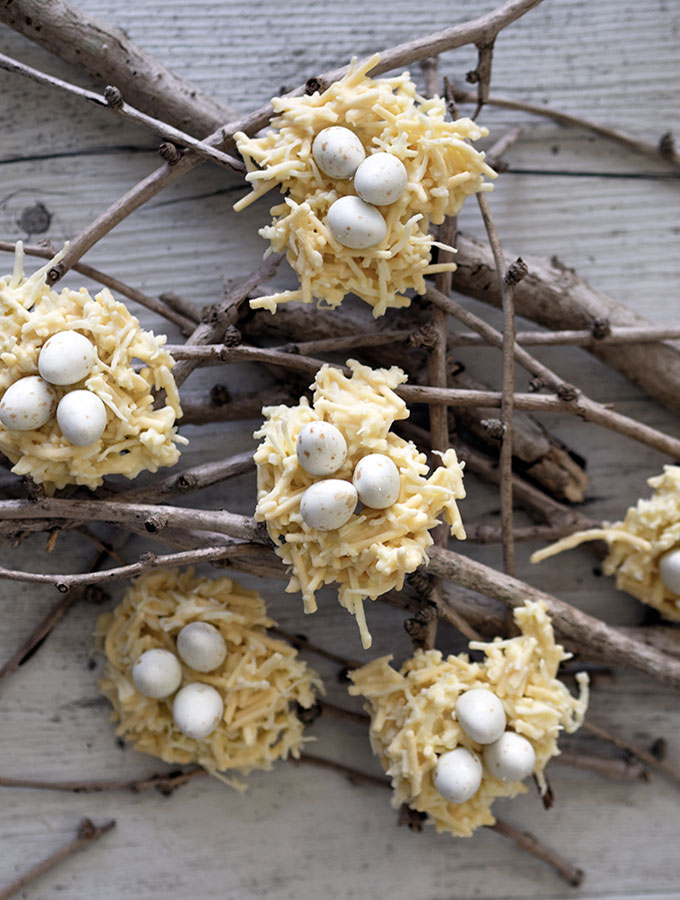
{"points": [[88, 833], [113, 100]]}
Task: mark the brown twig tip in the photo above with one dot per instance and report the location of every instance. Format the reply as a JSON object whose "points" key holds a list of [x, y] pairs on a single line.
{"points": [[169, 152], [425, 337], [55, 273], [567, 392], [494, 428], [411, 818], [87, 833], [667, 145], [516, 271], [113, 96], [601, 328], [524, 839], [220, 395]]}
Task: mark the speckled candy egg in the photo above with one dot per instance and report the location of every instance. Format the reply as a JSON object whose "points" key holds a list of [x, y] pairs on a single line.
{"points": [[338, 151], [81, 416], [481, 715], [328, 504], [669, 571], [321, 448], [66, 358], [201, 646], [157, 673], [510, 758], [355, 224], [377, 481], [197, 710], [27, 404], [458, 775], [381, 179]]}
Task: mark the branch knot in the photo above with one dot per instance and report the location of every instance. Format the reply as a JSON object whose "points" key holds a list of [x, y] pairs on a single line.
{"points": [[600, 328], [516, 271], [113, 96], [566, 392]]}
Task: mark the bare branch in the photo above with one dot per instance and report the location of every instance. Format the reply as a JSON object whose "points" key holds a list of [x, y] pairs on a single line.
{"points": [[115, 284], [108, 55], [113, 100], [88, 833], [524, 839], [653, 151]]}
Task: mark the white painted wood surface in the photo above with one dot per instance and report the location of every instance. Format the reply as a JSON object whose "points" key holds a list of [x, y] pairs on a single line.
{"points": [[299, 833]]}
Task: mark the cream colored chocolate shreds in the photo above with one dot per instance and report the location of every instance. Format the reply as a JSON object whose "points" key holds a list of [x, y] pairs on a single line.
{"points": [[137, 436], [260, 681], [388, 116], [649, 530], [412, 722], [372, 553]]}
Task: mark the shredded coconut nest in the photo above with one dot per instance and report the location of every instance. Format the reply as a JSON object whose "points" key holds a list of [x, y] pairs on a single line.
{"points": [[261, 679], [137, 436], [649, 530], [372, 553], [388, 116], [412, 720]]}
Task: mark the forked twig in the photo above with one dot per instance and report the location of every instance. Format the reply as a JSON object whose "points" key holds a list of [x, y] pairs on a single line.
{"points": [[88, 833]]}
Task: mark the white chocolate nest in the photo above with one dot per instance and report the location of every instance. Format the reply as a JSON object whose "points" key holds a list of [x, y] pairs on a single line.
{"points": [[372, 553], [649, 530], [261, 680], [137, 436], [412, 723], [387, 115]]}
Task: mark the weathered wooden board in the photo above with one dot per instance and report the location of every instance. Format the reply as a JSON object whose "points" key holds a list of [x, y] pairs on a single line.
{"points": [[298, 832]]}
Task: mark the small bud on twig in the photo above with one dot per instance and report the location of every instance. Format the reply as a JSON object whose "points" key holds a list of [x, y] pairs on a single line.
{"points": [[113, 96], [516, 271]]}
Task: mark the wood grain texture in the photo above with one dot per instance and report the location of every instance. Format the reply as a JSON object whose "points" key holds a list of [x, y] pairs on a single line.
{"points": [[300, 833]]}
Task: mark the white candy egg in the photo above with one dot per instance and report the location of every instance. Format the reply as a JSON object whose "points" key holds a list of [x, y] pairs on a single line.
{"points": [[321, 448], [157, 674], [481, 715], [377, 481], [510, 758], [197, 710], [201, 646], [381, 179], [66, 357], [338, 151], [81, 416], [328, 504], [356, 224], [669, 570], [458, 775], [27, 404]]}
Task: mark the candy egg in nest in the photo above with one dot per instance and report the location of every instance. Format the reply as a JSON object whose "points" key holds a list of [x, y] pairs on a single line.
{"points": [[230, 718]]}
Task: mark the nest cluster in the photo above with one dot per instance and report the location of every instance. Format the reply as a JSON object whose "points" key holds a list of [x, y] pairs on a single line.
{"points": [[388, 116], [372, 553], [412, 721], [137, 436], [649, 530], [261, 680]]}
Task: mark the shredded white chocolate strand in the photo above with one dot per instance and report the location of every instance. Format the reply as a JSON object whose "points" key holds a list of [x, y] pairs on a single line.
{"points": [[137, 436], [412, 722], [373, 552], [650, 529], [261, 679], [388, 116]]}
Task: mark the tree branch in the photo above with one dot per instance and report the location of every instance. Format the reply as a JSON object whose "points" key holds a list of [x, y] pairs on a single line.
{"points": [[88, 833], [113, 100], [108, 55], [185, 324], [655, 152]]}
